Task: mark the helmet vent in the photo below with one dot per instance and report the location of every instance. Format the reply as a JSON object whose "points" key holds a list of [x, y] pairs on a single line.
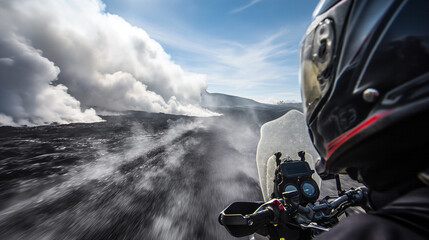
{"points": [[370, 95]]}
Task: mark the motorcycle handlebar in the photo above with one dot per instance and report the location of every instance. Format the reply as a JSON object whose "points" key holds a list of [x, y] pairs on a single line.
{"points": [[350, 196], [339, 201], [261, 217], [240, 225], [240, 218]]}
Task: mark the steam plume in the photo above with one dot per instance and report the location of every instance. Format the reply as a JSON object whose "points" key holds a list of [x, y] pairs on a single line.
{"points": [[61, 58]]}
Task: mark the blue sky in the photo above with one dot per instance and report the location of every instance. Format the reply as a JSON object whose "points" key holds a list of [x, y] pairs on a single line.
{"points": [[246, 48]]}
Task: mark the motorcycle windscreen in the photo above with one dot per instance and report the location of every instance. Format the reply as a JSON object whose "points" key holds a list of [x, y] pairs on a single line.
{"points": [[288, 135]]}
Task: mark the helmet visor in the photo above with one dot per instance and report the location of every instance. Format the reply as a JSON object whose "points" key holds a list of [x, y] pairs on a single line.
{"points": [[315, 58]]}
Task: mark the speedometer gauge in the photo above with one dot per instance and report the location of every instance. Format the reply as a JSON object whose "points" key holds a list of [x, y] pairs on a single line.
{"points": [[290, 187], [309, 190]]}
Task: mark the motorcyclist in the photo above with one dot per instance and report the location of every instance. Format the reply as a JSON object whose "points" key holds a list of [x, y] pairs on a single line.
{"points": [[364, 73]]}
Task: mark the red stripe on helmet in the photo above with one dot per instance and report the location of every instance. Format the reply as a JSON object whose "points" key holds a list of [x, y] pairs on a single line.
{"points": [[334, 144]]}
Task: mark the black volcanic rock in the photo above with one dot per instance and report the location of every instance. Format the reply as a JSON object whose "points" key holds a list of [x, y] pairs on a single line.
{"points": [[137, 175]]}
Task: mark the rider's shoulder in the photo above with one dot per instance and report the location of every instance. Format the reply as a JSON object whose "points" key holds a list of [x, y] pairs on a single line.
{"points": [[403, 218], [369, 226]]}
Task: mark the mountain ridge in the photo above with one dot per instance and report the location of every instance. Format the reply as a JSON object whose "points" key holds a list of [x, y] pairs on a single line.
{"points": [[220, 100]]}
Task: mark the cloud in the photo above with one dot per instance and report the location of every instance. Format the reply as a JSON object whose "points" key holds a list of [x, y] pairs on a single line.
{"points": [[223, 54], [253, 2], [59, 59], [27, 96], [244, 69], [257, 64]]}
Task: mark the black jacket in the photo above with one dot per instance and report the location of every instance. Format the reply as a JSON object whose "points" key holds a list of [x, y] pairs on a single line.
{"points": [[407, 217]]}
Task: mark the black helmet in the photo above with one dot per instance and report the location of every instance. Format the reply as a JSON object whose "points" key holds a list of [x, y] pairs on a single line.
{"points": [[364, 74]]}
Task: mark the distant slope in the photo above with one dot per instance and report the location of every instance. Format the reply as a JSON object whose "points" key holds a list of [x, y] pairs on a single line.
{"points": [[245, 107], [223, 100], [219, 100]]}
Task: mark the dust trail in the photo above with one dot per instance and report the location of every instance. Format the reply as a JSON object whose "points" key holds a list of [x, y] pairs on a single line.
{"points": [[145, 182]]}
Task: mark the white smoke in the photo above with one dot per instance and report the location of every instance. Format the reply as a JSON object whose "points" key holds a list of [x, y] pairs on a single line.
{"points": [[27, 96], [60, 58]]}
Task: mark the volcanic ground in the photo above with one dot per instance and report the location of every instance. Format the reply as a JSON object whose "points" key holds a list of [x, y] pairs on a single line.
{"points": [[136, 175]]}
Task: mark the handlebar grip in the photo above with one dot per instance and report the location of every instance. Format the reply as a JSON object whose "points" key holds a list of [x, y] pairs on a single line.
{"points": [[261, 217], [337, 202], [303, 210]]}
